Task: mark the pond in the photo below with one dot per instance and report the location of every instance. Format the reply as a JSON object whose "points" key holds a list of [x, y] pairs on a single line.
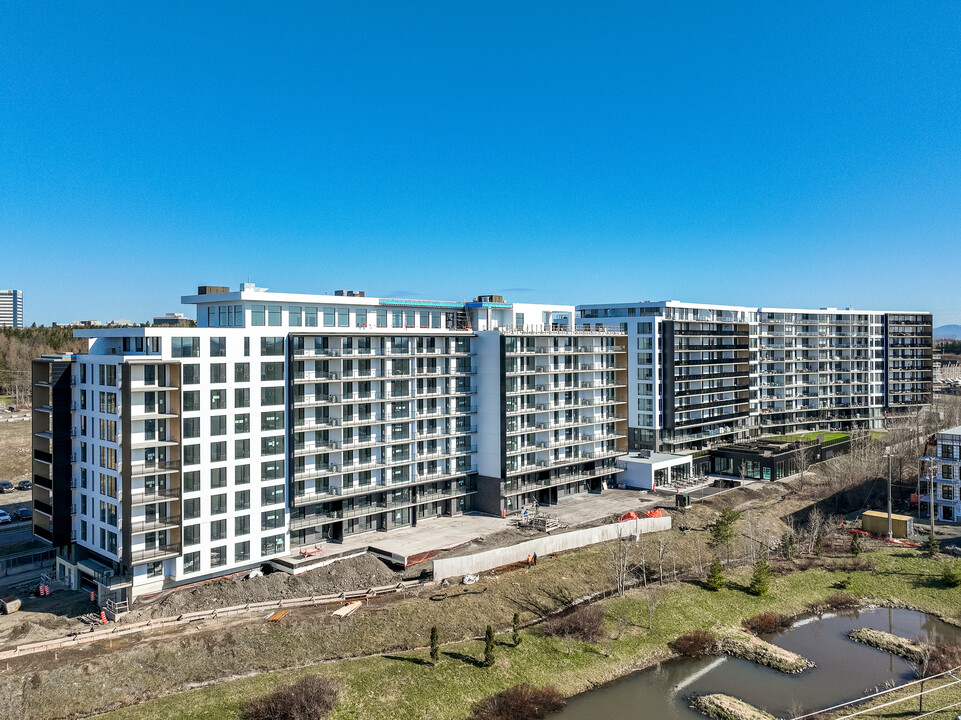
{"points": [[845, 670]]}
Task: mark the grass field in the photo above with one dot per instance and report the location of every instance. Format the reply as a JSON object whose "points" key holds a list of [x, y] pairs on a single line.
{"points": [[810, 437], [404, 685]]}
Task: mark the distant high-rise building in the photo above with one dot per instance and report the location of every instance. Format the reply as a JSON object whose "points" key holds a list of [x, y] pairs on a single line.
{"points": [[11, 308]]}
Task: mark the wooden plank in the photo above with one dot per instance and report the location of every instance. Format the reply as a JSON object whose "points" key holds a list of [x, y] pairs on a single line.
{"points": [[346, 610], [279, 615]]}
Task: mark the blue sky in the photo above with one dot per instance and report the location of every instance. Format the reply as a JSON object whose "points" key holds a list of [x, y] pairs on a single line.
{"points": [[804, 154]]}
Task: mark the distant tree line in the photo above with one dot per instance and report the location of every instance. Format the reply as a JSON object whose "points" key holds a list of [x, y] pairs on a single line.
{"points": [[18, 347]]}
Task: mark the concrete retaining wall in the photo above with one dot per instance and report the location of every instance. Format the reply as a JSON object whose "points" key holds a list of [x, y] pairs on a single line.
{"points": [[479, 562]]}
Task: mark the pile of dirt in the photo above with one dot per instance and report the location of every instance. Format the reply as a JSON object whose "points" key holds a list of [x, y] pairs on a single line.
{"points": [[358, 573], [725, 707]]}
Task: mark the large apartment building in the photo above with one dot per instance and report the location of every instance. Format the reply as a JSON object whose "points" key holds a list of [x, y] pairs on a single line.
{"points": [[700, 375], [11, 308], [167, 455]]}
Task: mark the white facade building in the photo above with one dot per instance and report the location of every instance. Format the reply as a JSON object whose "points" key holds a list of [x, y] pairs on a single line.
{"points": [[167, 455], [11, 308], [945, 471]]}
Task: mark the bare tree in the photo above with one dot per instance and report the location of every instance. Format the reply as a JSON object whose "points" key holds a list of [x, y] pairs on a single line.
{"points": [[620, 562]]}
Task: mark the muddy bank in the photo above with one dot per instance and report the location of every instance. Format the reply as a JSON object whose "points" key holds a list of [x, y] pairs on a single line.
{"points": [[902, 647], [725, 707], [741, 644]]}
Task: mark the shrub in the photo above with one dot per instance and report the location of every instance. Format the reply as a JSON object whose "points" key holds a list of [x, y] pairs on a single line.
{"points": [[697, 643], [842, 601], [943, 657], [521, 702], [951, 574], [516, 629], [434, 645], [489, 647], [310, 698], [857, 547], [767, 623], [585, 624]]}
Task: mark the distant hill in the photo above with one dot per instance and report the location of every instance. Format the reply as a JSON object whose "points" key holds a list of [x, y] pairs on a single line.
{"points": [[947, 332]]}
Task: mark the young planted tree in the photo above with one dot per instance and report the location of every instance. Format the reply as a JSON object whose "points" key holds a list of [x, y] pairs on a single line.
{"points": [[435, 645], [723, 531], [760, 578], [857, 547], [516, 627], [715, 576], [489, 647]]}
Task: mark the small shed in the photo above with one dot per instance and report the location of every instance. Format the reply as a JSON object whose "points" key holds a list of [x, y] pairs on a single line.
{"points": [[876, 523]]}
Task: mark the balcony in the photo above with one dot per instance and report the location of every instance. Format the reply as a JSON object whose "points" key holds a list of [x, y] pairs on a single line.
{"points": [[160, 552], [157, 523], [141, 497], [152, 468]]}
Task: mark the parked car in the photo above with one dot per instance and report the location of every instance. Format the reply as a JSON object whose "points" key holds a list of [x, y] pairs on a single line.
{"points": [[24, 485], [6, 486], [24, 514], [5, 517]]}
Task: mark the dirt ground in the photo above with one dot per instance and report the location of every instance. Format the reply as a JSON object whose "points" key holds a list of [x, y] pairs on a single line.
{"points": [[14, 449]]}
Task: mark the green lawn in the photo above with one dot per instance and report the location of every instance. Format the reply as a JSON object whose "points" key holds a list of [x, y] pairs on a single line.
{"points": [[405, 686], [810, 437]]}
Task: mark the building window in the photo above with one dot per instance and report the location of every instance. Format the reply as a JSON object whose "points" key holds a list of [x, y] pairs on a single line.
{"points": [[191, 535], [272, 470], [242, 500], [947, 492], [218, 504], [343, 317], [241, 397], [218, 556], [328, 317], [360, 318], [218, 425], [191, 454], [310, 317], [192, 562], [192, 481], [257, 315], [271, 519], [294, 316], [272, 495], [241, 449], [191, 374], [191, 427], [271, 346], [242, 551], [272, 545], [218, 530], [185, 347], [272, 396], [273, 420], [155, 569], [191, 508], [275, 315], [191, 401], [272, 445], [271, 371], [242, 372], [218, 373], [218, 399], [218, 477], [218, 347], [218, 452], [241, 474]]}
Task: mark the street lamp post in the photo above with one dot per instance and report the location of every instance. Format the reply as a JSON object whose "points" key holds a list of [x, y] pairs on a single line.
{"points": [[930, 460], [887, 451]]}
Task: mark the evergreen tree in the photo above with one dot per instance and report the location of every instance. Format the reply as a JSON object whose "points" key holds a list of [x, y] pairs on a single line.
{"points": [[516, 624], [788, 545], [715, 576], [723, 531], [434, 645], [489, 647], [819, 545], [931, 546], [856, 547], [760, 578]]}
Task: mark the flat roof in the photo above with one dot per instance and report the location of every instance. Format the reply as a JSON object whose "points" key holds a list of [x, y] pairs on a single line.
{"points": [[656, 458], [747, 308], [951, 431]]}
